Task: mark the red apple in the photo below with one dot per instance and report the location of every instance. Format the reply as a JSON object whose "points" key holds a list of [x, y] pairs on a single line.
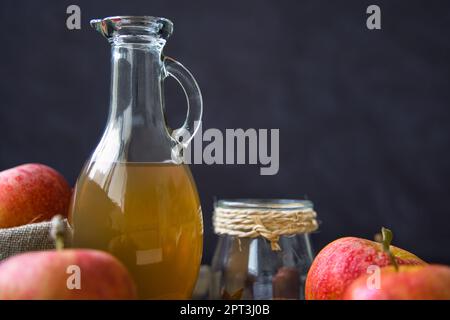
{"points": [[32, 193], [344, 260], [430, 282], [46, 275]]}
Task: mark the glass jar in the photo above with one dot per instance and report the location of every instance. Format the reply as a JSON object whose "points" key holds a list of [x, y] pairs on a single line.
{"points": [[264, 249]]}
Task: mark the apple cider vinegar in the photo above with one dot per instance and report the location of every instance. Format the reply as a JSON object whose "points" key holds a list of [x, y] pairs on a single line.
{"points": [[148, 215], [133, 198]]}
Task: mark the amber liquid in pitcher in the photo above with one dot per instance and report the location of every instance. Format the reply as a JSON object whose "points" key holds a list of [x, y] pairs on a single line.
{"points": [[147, 215]]}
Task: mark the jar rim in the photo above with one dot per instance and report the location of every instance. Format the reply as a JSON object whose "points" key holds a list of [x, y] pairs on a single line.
{"points": [[272, 204]]}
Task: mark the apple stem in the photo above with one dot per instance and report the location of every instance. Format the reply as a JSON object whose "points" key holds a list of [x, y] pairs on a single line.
{"points": [[57, 232], [387, 239]]}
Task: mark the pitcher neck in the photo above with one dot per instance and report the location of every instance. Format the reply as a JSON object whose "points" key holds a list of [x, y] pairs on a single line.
{"points": [[136, 78]]}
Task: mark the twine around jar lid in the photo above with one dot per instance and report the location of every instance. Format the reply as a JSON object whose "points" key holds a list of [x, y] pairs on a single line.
{"points": [[269, 219]]}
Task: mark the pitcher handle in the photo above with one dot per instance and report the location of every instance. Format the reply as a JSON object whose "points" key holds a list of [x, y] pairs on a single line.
{"points": [[183, 136]]}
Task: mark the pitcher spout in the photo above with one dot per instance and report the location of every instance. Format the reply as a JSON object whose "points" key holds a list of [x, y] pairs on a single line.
{"points": [[137, 28]]}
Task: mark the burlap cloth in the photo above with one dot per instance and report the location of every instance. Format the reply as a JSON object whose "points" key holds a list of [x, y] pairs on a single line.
{"points": [[31, 237]]}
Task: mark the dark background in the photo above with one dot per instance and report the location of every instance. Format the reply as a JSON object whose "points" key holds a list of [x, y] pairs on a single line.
{"points": [[363, 115]]}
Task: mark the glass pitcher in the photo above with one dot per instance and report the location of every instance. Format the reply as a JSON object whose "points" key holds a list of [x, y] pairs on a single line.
{"points": [[133, 198]]}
